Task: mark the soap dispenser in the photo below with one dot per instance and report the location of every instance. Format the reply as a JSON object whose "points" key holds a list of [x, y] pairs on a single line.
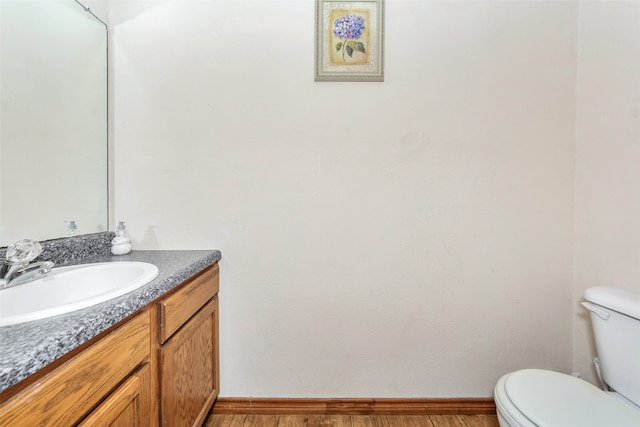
{"points": [[121, 244], [72, 229]]}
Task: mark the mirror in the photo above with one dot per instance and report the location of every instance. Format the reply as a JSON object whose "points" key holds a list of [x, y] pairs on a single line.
{"points": [[53, 120]]}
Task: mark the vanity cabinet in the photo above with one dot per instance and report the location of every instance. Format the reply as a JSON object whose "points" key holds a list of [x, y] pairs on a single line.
{"points": [[158, 367], [188, 351], [115, 365]]}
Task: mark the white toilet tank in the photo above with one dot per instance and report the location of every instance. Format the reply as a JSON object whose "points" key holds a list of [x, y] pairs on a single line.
{"points": [[615, 316]]}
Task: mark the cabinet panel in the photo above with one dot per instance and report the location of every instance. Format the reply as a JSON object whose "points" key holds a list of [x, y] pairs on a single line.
{"points": [[67, 393], [176, 309], [128, 406], [189, 370]]}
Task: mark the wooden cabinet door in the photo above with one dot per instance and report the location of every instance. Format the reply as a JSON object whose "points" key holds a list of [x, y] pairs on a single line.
{"points": [[128, 406], [189, 379]]}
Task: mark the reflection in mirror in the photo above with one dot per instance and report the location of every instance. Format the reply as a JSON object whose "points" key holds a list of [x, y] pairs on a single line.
{"points": [[53, 120]]}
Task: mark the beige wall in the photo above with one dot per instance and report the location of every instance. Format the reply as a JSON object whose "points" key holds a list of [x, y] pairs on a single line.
{"points": [[397, 239], [607, 222]]}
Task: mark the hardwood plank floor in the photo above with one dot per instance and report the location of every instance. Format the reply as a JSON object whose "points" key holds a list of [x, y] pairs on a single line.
{"points": [[252, 420]]}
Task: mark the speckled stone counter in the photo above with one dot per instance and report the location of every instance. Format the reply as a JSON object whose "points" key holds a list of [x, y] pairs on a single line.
{"points": [[28, 347]]}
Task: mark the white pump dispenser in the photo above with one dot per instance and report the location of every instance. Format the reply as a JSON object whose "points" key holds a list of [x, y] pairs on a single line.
{"points": [[121, 244], [72, 229]]}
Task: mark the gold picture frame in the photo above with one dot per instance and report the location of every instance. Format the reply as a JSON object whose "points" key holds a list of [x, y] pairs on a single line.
{"points": [[349, 42]]}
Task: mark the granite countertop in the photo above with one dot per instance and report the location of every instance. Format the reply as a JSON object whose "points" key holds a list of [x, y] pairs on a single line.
{"points": [[28, 347]]}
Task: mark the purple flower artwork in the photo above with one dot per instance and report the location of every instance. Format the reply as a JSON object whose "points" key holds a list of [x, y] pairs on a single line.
{"points": [[348, 29], [349, 40]]}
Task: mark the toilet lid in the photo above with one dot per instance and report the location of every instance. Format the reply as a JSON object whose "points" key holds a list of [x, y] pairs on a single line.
{"points": [[551, 399]]}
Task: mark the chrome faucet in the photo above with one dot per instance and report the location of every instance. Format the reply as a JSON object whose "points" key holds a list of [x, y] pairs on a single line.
{"points": [[19, 265]]}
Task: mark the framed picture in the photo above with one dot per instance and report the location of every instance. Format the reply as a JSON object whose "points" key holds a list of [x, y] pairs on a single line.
{"points": [[349, 40]]}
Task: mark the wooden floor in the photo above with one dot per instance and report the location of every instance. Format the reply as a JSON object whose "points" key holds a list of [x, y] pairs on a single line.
{"points": [[217, 420]]}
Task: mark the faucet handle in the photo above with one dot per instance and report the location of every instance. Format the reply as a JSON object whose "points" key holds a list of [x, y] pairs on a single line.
{"points": [[23, 251]]}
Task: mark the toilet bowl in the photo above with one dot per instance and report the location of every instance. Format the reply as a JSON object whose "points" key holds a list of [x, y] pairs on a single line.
{"points": [[542, 398]]}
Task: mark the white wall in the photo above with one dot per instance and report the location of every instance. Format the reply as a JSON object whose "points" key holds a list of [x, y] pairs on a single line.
{"points": [[397, 239], [608, 159]]}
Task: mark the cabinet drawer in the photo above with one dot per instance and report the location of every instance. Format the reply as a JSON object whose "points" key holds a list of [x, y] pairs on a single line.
{"points": [[67, 393], [176, 309]]}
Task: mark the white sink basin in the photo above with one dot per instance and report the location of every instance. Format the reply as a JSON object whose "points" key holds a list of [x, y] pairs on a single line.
{"points": [[67, 289]]}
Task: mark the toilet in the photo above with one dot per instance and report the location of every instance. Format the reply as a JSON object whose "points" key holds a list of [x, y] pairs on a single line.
{"points": [[541, 398]]}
